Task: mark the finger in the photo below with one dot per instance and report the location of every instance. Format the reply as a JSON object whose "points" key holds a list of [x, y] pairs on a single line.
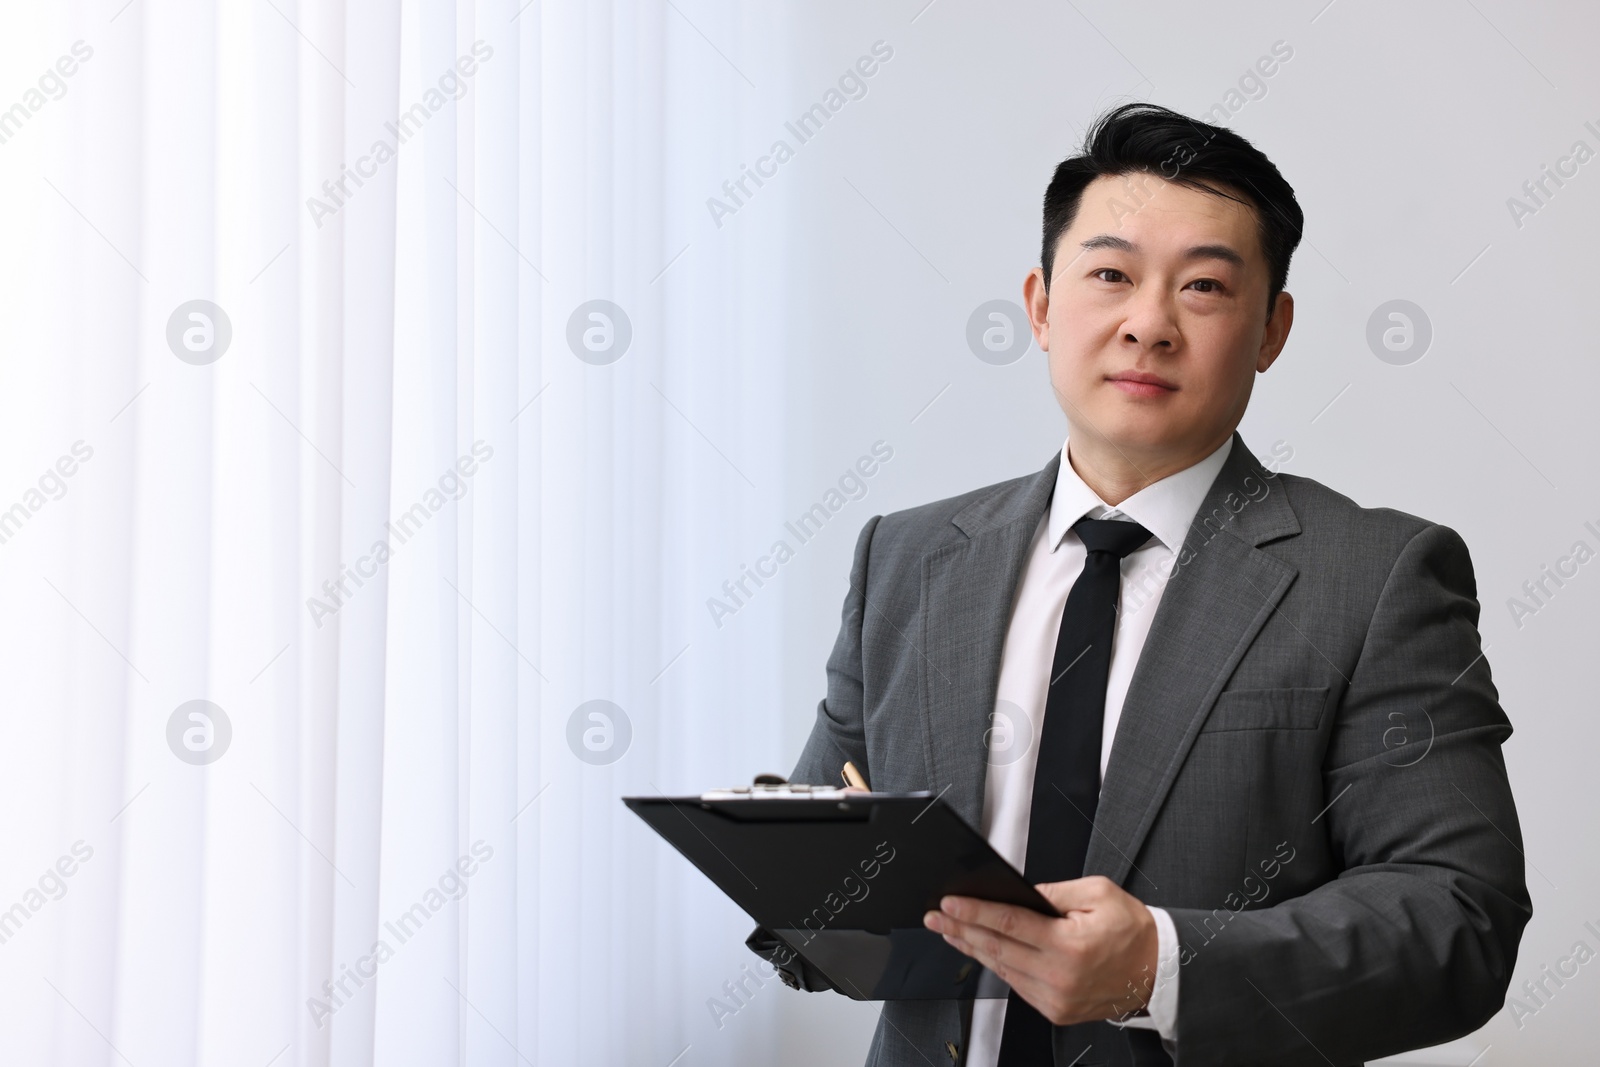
{"points": [[1044, 992], [995, 949], [1078, 894], [1030, 987], [1021, 924]]}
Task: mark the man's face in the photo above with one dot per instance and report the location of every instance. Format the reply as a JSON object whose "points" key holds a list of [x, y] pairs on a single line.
{"points": [[1162, 281]]}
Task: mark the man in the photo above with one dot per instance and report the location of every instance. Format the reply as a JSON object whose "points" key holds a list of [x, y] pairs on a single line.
{"points": [[1239, 729]]}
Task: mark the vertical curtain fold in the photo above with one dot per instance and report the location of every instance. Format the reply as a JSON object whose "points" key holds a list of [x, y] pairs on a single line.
{"points": [[399, 855]]}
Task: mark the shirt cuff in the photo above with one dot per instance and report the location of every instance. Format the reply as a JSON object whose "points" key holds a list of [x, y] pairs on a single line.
{"points": [[1163, 1006]]}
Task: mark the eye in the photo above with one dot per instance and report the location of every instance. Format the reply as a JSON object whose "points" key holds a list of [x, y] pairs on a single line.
{"points": [[1120, 277], [1216, 286]]}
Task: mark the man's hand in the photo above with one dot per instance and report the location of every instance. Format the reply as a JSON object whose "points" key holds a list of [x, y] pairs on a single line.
{"points": [[1097, 961]]}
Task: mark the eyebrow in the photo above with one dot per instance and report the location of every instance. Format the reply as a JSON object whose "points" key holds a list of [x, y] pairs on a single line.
{"points": [[1122, 244]]}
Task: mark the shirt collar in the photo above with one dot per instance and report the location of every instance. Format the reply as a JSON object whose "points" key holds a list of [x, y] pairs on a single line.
{"points": [[1166, 508]]}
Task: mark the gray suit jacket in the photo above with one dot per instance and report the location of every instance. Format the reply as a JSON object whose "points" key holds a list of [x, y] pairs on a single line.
{"points": [[1307, 772]]}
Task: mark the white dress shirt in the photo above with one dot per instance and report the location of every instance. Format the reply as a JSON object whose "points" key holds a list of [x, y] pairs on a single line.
{"points": [[1055, 559]]}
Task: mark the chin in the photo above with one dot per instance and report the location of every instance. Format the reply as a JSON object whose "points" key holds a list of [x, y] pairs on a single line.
{"points": [[1148, 444], [1133, 429]]}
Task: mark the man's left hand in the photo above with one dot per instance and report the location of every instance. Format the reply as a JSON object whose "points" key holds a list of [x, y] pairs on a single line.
{"points": [[1096, 961]]}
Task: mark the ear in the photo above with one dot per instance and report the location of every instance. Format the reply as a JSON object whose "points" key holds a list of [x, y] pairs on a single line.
{"points": [[1037, 301], [1276, 333]]}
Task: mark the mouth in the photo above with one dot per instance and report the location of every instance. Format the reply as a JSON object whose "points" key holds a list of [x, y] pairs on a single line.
{"points": [[1137, 383]]}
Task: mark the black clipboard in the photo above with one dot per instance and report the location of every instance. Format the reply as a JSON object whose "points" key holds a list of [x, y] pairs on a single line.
{"points": [[844, 880]]}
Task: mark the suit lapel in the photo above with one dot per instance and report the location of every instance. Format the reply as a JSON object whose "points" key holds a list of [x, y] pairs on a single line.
{"points": [[967, 591], [1224, 590]]}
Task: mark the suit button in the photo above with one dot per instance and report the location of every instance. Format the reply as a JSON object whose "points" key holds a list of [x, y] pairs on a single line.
{"points": [[955, 1053]]}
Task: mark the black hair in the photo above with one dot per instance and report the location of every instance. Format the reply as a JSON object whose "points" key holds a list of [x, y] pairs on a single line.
{"points": [[1152, 139]]}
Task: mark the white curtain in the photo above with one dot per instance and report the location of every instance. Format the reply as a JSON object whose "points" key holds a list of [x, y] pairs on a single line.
{"points": [[376, 841]]}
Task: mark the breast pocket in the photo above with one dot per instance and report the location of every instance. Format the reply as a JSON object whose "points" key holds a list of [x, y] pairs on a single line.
{"points": [[1299, 708]]}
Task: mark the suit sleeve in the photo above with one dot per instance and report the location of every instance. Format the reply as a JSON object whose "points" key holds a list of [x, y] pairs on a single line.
{"points": [[838, 734], [1413, 943]]}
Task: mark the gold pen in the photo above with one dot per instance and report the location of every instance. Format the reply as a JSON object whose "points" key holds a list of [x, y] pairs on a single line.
{"points": [[852, 777]]}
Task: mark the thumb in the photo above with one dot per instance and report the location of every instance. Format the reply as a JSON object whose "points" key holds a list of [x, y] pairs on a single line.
{"points": [[1077, 894]]}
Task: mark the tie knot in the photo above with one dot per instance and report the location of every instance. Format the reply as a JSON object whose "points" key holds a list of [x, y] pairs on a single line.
{"points": [[1116, 536]]}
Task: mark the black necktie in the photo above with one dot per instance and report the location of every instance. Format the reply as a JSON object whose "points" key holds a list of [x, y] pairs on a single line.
{"points": [[1066, 781]]}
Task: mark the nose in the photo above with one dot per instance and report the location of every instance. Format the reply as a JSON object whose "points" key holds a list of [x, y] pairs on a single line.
{"points": [[1150, 322]]}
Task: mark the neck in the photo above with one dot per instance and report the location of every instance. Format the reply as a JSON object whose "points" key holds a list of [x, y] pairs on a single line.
{"points": [[1116, 472]]}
